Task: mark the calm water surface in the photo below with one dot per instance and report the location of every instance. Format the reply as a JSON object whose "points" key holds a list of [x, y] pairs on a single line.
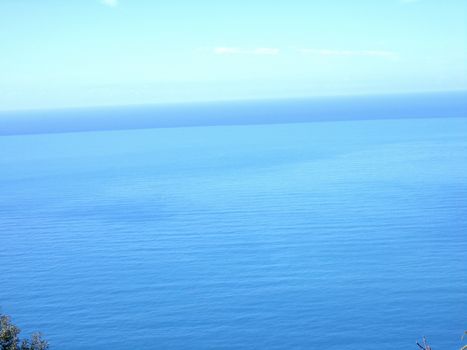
{"points": [[338, 235]]}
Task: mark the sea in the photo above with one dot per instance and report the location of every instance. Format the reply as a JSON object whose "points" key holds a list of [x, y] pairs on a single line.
{"points": [[339, 233]]}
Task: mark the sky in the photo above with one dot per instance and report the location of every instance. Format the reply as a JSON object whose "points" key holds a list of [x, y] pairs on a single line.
{"points": [[75, 53]]}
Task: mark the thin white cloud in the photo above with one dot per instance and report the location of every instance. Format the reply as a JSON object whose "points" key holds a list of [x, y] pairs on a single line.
{"points": [[227, 50], [266, 51], [242, 51], [111, 3], [272, 51], [350, 53]]}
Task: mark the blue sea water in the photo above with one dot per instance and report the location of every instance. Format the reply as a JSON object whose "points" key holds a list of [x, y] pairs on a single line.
{"points": [[324, 235]]}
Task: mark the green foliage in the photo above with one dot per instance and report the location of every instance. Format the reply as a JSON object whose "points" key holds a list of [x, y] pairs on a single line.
{"points": [[9, 337], [8, 334], [425, 346], [465, 346]]}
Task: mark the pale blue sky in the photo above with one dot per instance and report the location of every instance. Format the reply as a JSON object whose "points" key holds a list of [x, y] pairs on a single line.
{"points": [[57, 53]]}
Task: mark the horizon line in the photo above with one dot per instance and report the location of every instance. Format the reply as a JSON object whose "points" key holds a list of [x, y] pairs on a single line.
{"points": [[225, 100]]}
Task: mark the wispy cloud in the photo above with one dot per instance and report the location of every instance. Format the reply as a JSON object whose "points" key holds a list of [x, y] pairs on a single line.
{"points": [[227, 50], [350, 53], [243, 51], [272, 51], [111, 3], [266, 51]]}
